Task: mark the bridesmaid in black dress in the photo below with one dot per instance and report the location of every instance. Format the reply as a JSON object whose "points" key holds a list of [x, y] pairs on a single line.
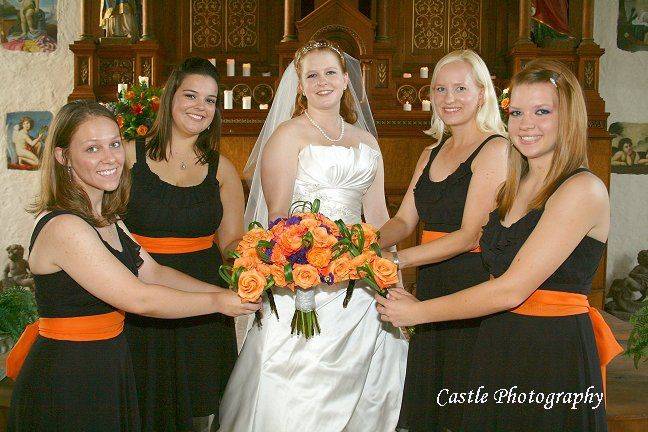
{"points": [[186, 206], [77, 372], [452, 192], [536, 363]]}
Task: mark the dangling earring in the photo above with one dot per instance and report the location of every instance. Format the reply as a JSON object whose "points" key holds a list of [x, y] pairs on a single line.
{"points": [[69, 171]]}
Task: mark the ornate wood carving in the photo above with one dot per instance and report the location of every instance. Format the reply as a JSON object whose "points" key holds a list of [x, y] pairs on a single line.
{"points": [[382, 71], [589, 75], [206, 24], [115, 71], [429, 22], [464, 25], [242, 23], [146, 68], [83, 71]]}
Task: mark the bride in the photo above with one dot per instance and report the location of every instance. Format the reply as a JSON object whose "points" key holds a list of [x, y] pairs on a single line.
{"points": [[350, 376]]}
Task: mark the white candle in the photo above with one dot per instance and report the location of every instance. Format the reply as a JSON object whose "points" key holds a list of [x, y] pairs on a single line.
{"points": [[247, 68], [407, 106], [122, 87], [212, 61], [228, 99], [426, 105], [407, 75], [230, 67], [263, 106], [247, 102], [143, 80], [423, 72], [265, 74]]}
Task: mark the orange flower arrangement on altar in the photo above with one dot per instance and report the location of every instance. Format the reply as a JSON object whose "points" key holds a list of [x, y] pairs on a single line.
{"points": [[136, 110], [503, 102], [302, 251]]}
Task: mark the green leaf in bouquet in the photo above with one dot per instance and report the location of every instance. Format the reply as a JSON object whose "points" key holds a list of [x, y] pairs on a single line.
{"points": [[271, 300], [261, 246], [376, 249], [315, 206], [233, 254], [307, 240], [288, 272], [357, 229], [254, 224], [235, 277], [225, 273]]}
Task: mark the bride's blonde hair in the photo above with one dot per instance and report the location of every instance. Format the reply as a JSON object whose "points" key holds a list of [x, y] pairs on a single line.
{"points": [[347, 110]]}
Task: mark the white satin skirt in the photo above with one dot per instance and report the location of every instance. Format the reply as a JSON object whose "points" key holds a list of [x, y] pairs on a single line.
{"points": [[347, 378]]}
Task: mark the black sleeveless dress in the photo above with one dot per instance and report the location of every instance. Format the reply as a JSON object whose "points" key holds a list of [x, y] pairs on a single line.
{"points": [[76, 386], [546, 355], [439, 354], [182, 365]]}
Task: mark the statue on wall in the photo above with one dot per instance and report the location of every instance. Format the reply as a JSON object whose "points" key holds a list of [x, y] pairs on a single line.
{"points": [[117, 18], [17, 272], [626, 296]]}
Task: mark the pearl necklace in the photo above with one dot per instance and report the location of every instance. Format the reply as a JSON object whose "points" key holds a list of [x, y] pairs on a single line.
{"points": [[319, 128]]}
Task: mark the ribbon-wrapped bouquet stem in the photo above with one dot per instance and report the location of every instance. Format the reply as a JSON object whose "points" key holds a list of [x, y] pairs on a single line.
{"points": [[302, 251]]}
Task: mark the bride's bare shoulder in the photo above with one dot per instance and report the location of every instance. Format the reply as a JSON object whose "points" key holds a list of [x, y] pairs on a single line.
{"points": [[361, 135], [289, 135]]}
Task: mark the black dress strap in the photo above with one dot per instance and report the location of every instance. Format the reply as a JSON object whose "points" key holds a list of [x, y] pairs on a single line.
{"points": [[570, 175], [478, 149], [212, 170], [140, 150], [48, 217]]}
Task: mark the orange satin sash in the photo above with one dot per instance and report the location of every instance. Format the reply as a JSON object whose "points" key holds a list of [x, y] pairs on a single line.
{"points": [[556, 303], [78, 329], [173, 245], [429, 236]]}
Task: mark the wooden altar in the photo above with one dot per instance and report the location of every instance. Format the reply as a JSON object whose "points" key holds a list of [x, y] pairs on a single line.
{"points": [[390, 38]]}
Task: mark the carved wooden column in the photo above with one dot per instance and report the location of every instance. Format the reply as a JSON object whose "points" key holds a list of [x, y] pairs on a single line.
{"points": [[524, 23], [85, 32], [289, 21], [523, 50], [145, 21], [382, 20], [85, 69]]}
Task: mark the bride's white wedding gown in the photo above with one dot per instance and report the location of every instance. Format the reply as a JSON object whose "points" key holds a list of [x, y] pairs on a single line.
{"points": [[350, 376]]}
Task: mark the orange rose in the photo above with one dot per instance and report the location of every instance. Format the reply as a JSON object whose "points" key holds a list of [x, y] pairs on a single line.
{"points": [[120, 122], [277, 257], [385, 271], [340, 268], [277, 273], [309, 223], [505, 103], [291, 239], [322, 239], [369, 232], [328, 223], [278, 228], [319, 257], [248, 262], [305, 276], [130, 95], [141, 130], [250, 285], [252, 237], [360, 260]]}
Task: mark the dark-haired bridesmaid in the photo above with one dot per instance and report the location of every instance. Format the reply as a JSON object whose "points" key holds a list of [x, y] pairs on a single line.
{"points": [[186, 208]]}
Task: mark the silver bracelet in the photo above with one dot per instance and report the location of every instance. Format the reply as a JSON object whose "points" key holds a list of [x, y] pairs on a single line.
{"points": [[395, 259]]}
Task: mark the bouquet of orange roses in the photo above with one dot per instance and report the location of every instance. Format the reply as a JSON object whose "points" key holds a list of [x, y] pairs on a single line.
{"points": [[136, 109]]}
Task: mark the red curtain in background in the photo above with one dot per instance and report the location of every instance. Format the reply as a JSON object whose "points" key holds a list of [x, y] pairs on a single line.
{"points": [[553, 13]]}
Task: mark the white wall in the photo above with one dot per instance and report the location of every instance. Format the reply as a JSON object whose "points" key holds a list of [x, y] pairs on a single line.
{"points": [[624, 87], [31, 82]]}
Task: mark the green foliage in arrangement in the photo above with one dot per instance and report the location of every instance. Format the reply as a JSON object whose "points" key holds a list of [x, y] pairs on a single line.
{"points": [[17, 310], [638, 340]]}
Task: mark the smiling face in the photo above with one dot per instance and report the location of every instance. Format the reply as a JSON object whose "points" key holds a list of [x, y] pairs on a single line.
{"points": [[322, 79], [95, 155], [533, 119], [194, 104], [455, 94]]}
